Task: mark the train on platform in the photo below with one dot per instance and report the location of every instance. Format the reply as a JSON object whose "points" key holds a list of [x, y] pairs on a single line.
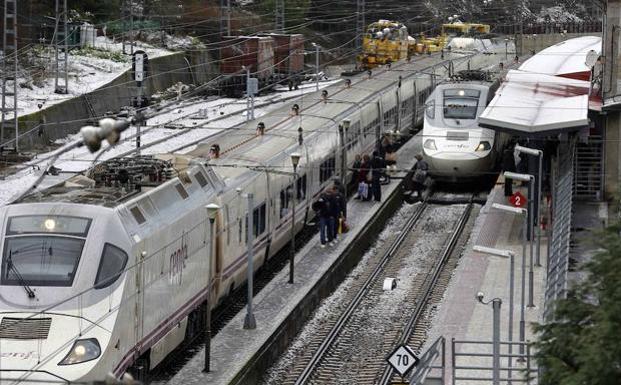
{"points": [[454, 145], [111, 270]]}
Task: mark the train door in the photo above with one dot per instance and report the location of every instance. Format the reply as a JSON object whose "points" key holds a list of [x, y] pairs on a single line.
{"points": [[379, 127], [398, 108], [141, 254], [217, 262]]}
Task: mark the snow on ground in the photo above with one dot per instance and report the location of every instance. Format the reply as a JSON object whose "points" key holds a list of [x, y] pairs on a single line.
{"points": [[88, 69], [81, 159]]}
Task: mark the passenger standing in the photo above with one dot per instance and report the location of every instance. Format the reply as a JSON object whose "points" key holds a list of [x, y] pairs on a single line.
{"points": [[334, 199], [378, 166], [322, 210], [420, 175], [363, 179], [340, 189], [508, 164]]}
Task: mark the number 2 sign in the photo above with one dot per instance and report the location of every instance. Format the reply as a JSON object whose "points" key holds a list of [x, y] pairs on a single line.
{"points": [[517, 199]]}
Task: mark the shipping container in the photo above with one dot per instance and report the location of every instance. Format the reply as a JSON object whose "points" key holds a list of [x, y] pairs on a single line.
{"points": [[288, 53], [256, 53]]}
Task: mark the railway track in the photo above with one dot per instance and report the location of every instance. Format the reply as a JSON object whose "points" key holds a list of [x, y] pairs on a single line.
{"points": [[350, 344]]}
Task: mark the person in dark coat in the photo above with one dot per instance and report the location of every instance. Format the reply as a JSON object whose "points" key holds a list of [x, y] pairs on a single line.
{"points": [[421, 168], [340, 189], [334, 199], [323, 210], [508, 164], [378, 166], [356, 169]]}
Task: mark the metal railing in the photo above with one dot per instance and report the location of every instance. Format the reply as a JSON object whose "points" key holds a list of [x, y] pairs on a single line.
{"points": [[589, 169], [473, 363], [562, 200], [426, 371]]}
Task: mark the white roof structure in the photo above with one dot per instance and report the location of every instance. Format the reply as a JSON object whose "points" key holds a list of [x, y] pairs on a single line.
{"points": [[548, 93]]}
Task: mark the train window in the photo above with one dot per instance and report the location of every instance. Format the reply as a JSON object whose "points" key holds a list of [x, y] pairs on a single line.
{"points": [[41, 260], [111, 265], [227, 224], [200, 178], [301, 187], [239, 231], [285, 198], [258, 217], [57, 224], [138, 216], [430, 109], [461, 104], [181, 190]]}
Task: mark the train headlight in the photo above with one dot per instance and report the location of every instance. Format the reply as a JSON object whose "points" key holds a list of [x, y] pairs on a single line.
{"points": [[484, 146], [82, 351], [430, 144]]}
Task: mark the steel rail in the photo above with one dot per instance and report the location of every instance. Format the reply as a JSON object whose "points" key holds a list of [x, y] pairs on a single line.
{"points": [[430, 284], [343, 319]]}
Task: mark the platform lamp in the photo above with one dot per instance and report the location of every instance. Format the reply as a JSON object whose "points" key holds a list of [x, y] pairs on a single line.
{"points": [[295, 160], [528, 226], [511, 256], [539, 155], [496, 305], [212, 212]]}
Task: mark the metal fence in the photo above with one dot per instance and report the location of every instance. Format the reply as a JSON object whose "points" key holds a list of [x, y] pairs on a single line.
{"points": [[589, 169], [562, 201]]}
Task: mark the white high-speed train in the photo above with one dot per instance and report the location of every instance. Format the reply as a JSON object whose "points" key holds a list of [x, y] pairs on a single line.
{"points": [[454, 145], [110, 268]]}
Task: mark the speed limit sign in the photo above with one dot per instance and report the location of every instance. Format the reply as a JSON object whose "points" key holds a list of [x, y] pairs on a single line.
{"points": [[402, 359]]}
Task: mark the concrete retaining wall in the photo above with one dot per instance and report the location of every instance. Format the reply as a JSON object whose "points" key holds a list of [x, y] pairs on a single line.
{"points": [[67, 117]]}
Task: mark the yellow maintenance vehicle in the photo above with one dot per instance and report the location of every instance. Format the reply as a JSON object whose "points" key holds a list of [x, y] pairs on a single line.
{"points": [[464, 29], [383, 42]]}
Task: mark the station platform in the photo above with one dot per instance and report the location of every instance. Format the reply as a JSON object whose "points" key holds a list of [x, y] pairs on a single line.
{"points": [[233, 349], [462, 318]]}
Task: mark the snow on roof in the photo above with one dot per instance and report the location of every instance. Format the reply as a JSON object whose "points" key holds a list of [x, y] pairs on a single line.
{"points": [[537, 103], [566, 58], [548, 93]]}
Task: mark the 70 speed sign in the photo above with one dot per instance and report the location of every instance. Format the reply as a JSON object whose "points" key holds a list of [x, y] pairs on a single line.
{"points": [[402, 359]]}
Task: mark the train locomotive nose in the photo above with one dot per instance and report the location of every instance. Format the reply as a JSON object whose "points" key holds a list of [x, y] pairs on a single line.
{"points": [[49, 348]]}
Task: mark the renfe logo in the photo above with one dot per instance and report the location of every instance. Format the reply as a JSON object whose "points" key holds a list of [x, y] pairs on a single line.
{"points": [[177, 264], [20, 355]]}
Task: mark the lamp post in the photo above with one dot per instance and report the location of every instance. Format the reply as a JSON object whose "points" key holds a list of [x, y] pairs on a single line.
{"points": [[496, 305], [506, 49], [249, 321], [212, 212], [343, 129], [295, 160], [317, 47], [539, 155], [511, 256]]}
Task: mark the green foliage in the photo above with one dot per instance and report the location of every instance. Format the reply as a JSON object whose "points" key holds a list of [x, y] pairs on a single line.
{"points": [[116, 27], [583, 344], [101, 54]]}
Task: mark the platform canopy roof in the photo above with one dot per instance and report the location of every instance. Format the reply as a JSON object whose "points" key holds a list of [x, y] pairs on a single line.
{"points": [[548, 93]]}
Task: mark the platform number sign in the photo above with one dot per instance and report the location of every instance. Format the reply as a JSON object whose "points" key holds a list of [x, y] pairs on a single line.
{"points": [[402, 360], [517, 199]]}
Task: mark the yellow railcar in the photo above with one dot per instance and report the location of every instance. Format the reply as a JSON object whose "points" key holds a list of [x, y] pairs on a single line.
{"points": [[383, 42]]}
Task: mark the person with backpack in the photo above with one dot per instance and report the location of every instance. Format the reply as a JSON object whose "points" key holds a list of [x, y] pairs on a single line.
{"points": [[420, 175]]}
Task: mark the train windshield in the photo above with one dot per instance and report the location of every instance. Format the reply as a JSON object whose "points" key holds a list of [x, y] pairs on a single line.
{"points": [[461, 104], [43, 250]]}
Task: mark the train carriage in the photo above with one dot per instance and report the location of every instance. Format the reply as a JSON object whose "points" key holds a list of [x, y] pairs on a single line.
{"points": [[112, 266]]}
